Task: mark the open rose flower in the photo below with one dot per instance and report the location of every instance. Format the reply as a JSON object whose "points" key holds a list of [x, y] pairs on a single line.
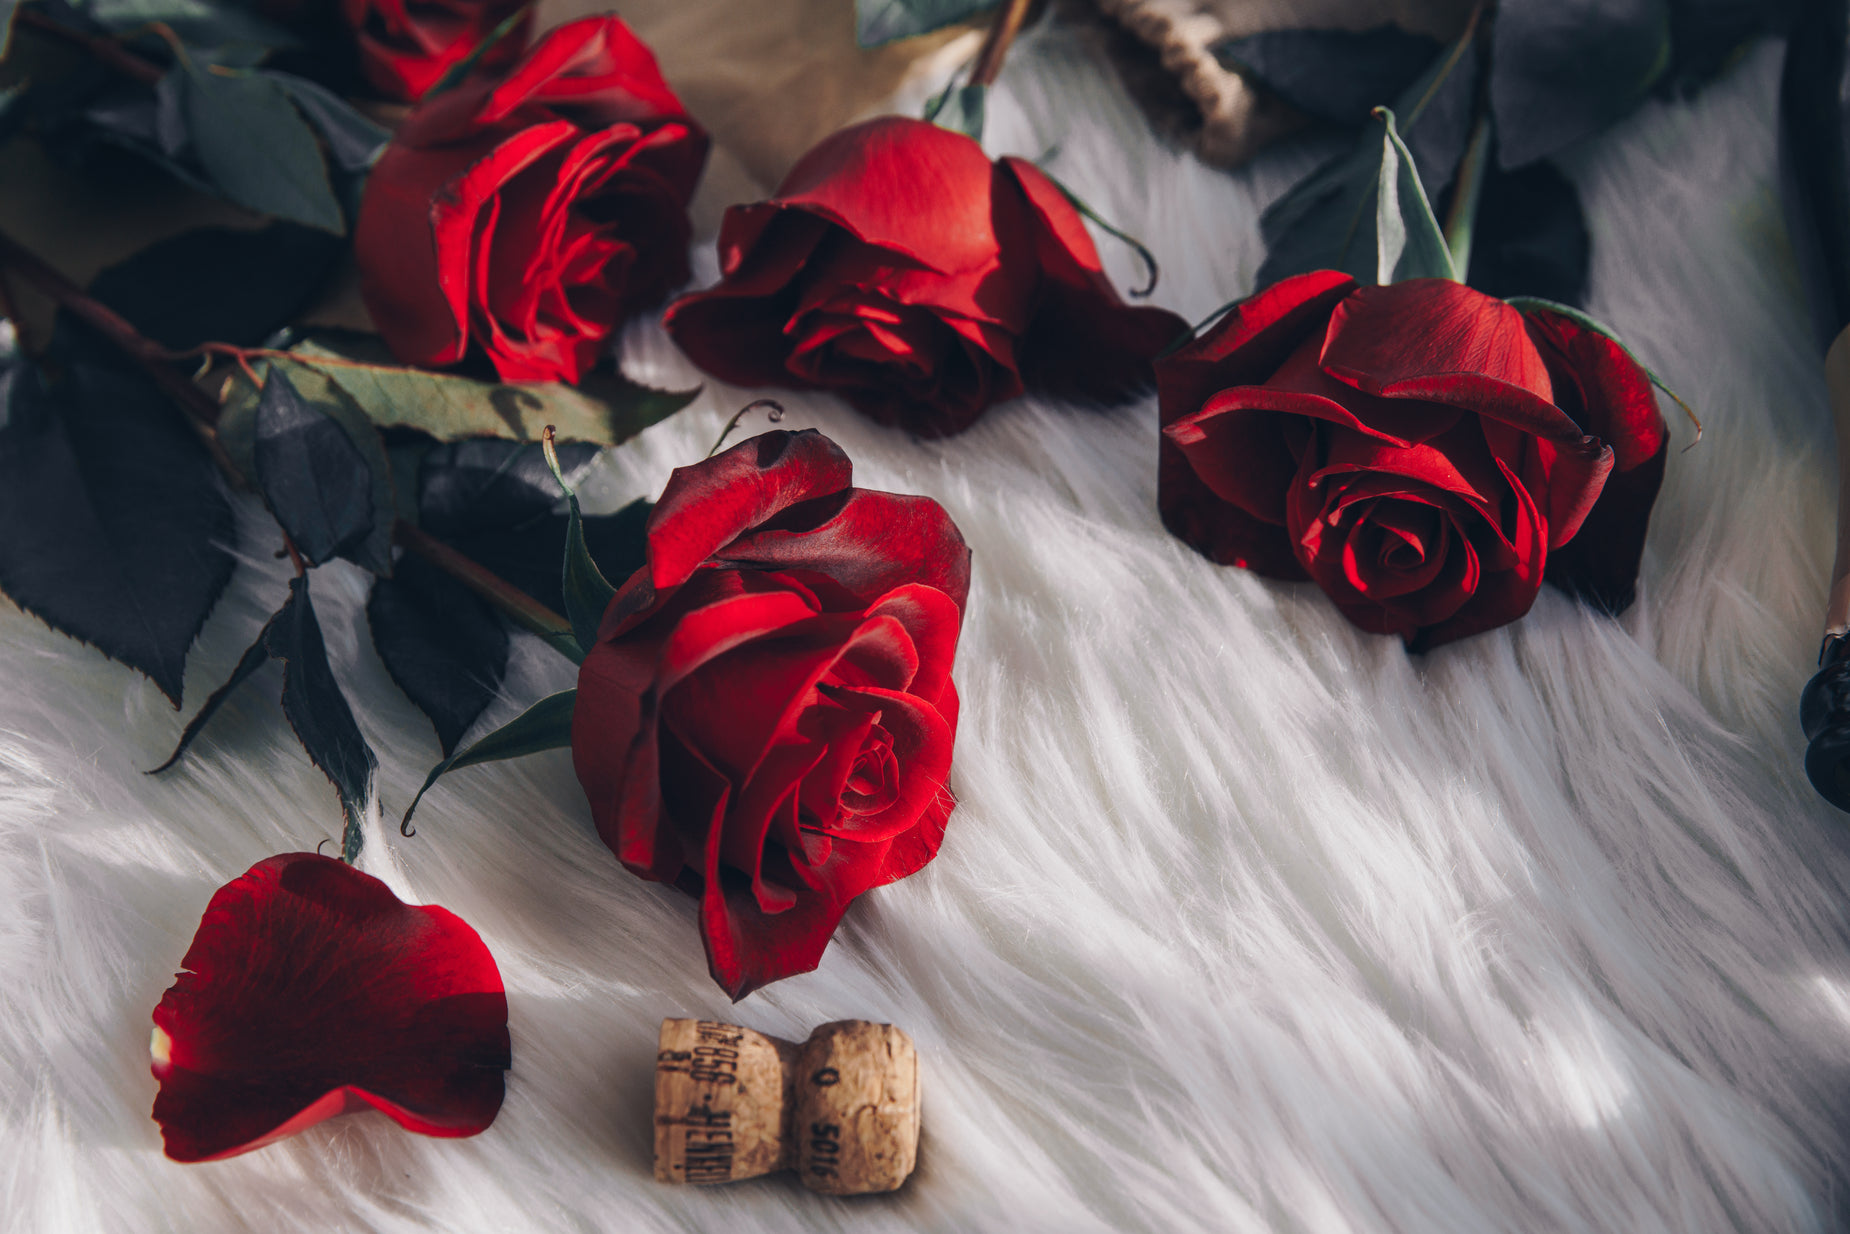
{"points": [[527, 216], [1422, 451], [900, 267], [767, 716], [311, 990], [406, 46]]}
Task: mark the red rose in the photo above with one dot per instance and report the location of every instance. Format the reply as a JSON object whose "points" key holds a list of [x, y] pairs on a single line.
{"points": [[406, 46], [899, 266], [1422, 451], [766, 719], [311, 990], [528, 216]]}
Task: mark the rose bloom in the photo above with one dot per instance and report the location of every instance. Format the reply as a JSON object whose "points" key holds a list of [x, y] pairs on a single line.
{"points": [[527, 216], [766, 718], [310, 990], [406, 47], [1422, 451], [900, 267]]}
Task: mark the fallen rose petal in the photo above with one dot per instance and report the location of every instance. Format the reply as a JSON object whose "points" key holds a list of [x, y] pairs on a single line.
{"points": [[310, 990]]}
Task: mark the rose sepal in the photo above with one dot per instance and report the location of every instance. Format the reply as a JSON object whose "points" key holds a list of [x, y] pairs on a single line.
{"points": [[587, 592]]}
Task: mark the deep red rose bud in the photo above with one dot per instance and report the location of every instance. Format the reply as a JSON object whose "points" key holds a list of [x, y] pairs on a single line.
{"points": [[766, 720], [527, 216], [900, 267], [406, 46], [311, 990], [1422, 451]]}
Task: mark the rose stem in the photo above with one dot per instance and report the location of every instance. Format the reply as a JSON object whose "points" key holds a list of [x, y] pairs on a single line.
{"points": [[520, 607], [202, 414], [1468, 186], [106, 50], [1002, 32]]}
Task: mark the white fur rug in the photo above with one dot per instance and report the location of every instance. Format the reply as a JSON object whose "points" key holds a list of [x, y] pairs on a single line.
{"points": [[1247, 920]]}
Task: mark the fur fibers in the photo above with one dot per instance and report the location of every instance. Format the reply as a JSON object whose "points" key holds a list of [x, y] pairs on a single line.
{"points": [[1248, 921]]}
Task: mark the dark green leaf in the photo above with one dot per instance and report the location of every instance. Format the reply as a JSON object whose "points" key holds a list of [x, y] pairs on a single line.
{"points": [[116, 532], [959, 108], [443, 646], [1706, 36], [603, 408], [256, 147], [547, 725], [1561, 70], [353, 141], [255, 657], [320, 465], [1327, 221], [312, 476], [528, 554], [199, 23], [487, 485], [217, 284], [1335, 75], [318, 711], [1531, 238], [587, 592], [882, 21]]}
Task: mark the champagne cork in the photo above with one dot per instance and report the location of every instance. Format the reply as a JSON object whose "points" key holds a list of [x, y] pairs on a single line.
{"points": [[841, 1109]]}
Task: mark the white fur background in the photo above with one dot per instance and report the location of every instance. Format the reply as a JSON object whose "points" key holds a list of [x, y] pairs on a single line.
{"points": [[1247, 920]]}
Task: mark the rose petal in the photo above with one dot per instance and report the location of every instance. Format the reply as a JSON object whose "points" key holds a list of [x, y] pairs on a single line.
{"points": [[1249, 343], [615, 742], [1440, 341], [1085, 343], [309, 990], [1612, 399], [868, 541], [595, 70], [905, 185], [735, 330], [708, 505]]}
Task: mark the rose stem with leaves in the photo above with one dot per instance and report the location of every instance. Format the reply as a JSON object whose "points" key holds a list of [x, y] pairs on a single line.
{"points": [[202, 413]]}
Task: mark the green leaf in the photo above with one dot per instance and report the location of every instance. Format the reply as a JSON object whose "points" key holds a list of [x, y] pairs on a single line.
{"points": [[882, 21], [112, 526], [958, 108], [199, 23], [604, 408], [256, 147], [547, 725], [1329, 220], [1562, 70], [1408, 241], [327, 397], [237, 432], [587, 592]]}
